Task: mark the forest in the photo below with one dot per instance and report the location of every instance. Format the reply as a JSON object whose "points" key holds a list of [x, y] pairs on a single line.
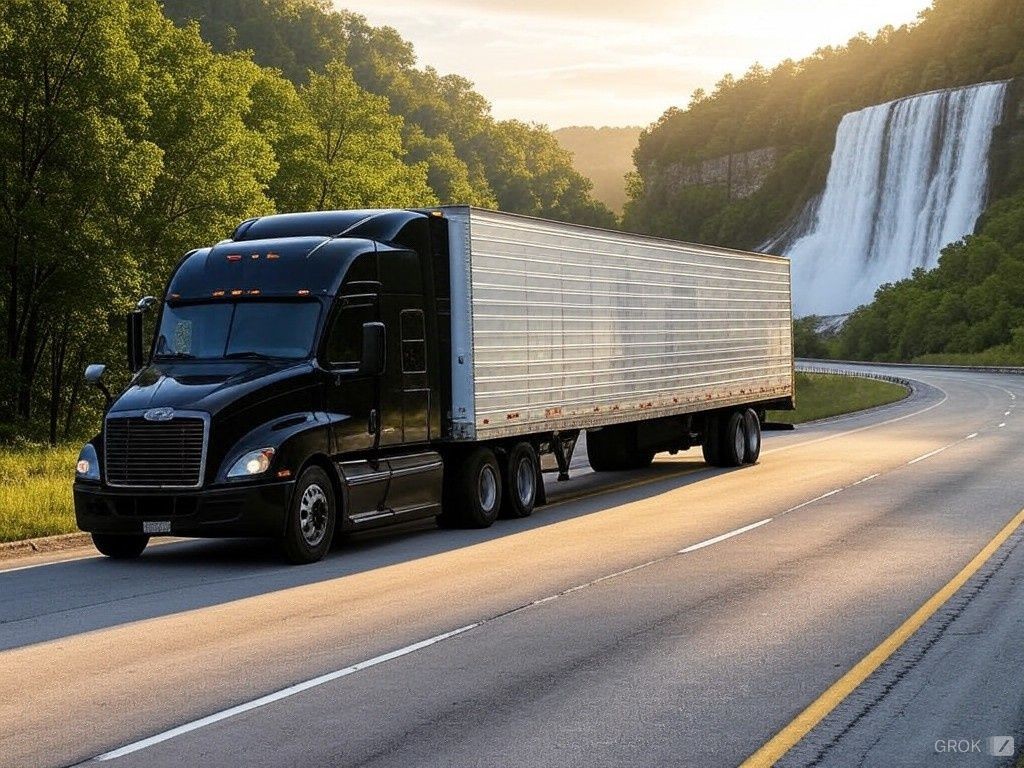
{"points": [[126, 139]]}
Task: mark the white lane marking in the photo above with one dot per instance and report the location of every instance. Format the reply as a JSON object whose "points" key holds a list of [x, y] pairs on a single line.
{"points": [[970, 436], [724, 536], [1006, 414], [816, 498], [284, 693], [1002, 425], [865, 479], [930, 454]]}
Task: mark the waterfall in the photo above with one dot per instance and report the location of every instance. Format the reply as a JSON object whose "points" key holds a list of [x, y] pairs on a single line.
{"points": [[907, 178]]}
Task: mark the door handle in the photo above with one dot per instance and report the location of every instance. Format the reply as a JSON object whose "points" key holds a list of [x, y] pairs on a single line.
{"points": [[373, 426]]}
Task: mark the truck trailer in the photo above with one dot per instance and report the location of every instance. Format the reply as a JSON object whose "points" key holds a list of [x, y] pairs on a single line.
{"points": [[342, 370]]}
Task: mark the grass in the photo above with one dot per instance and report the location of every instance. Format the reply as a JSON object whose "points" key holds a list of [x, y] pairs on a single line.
{"points": [[35, 482], [35, 491], [819, 395]]}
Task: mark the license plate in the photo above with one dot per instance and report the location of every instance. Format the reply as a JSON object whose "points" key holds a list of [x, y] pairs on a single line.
{"points": [[156, 526]]}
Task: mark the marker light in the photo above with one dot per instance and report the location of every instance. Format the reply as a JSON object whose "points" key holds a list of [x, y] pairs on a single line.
{"points": [[254, 256], [272, 255], [254, 292], [236, 292], [234, 257], [88, 466], [303, 292], [252, 463], [218, 294]]}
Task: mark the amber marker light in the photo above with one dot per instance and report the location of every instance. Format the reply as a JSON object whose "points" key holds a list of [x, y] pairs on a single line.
{"points": [[271, 256], [254, 292], [218, 294], [303, 292], [236, 292], [285, 473]]}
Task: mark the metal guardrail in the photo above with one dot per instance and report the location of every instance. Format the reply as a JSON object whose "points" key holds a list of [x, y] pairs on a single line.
{"points": [[803, 367], [929, 366]]}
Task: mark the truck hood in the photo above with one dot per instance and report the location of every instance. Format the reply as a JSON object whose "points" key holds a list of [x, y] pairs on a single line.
{"points": [[210, 386]]}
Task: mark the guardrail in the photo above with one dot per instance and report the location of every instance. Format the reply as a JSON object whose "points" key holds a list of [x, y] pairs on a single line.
{"points": [[803, 367], [929, 366]]}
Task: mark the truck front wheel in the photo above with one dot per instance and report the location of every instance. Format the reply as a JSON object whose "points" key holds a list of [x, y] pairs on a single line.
{"points": [[473, 490], [311, 518], [120, 546], [522, 481]]}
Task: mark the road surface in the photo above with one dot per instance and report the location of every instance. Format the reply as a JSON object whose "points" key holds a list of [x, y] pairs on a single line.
{"points": [[676, 616]]}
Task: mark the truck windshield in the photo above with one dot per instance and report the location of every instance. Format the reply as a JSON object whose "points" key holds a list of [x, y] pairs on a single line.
{"points": [[237, 330]]}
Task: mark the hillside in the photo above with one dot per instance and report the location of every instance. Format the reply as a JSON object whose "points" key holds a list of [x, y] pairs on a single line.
{"points": [[603, 155], [470, 157]]}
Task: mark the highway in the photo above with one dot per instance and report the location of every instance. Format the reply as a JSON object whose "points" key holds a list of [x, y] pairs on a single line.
{"points": [[675, 616]]}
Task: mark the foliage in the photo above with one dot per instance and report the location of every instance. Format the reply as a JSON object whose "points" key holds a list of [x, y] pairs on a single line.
{"points": [[821, 395], [446, 125], [807, 341], [795, 108]]}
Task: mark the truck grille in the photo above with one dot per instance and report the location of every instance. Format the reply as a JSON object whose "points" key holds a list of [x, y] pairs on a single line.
{"points": [[152, 454]]}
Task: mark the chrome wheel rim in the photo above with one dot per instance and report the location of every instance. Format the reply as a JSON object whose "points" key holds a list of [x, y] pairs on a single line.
{"points": [[487, 488], [739, 441], [526, 482], [313, 513]]}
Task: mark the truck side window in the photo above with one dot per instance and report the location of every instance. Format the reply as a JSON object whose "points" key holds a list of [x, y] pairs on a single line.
{"points": [[414, 341], [345, 340]]}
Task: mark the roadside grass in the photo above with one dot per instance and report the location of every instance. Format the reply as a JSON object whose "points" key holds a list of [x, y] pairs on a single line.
{"points": [[819, 395], [35, 491]]}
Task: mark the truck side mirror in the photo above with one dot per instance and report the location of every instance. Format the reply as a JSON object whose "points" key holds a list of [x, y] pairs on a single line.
{"points": [[134, 327], [94, 375], [372, 361]]}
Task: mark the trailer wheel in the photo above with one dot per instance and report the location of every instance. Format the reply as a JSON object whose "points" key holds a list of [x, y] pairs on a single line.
{"points": [[472, 496], [752, 428], [733, 440], [521, 480], [711, 441], [311, 518], [614, 449], [120, 546]]}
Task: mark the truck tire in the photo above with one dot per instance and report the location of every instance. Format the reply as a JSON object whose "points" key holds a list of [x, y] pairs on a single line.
{"points": [[472, 497], [120, 546], [752, 428], [711, 441], [521, 480], [311, 518], [733, 440]]}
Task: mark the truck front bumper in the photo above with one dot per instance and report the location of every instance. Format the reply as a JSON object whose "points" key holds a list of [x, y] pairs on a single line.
{"points": [[245, 510]]}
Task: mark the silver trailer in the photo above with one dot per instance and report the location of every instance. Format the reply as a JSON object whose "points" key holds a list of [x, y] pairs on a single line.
{"points": [[559, 327]]}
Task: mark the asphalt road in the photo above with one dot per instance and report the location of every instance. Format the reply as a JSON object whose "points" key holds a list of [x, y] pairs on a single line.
{"points": [[595, 633]]}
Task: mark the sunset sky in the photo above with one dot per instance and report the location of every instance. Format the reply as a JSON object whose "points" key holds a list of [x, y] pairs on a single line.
{"points": [[616, 63]]}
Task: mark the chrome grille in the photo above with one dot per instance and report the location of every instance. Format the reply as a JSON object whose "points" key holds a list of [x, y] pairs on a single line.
{"points": [[155, 454]]}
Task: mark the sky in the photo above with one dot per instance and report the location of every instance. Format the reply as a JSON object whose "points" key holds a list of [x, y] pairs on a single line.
{"points": [[601, 62]]}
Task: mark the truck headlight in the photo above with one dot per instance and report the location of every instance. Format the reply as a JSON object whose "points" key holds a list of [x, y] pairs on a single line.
{"points": [[88, 467], [253, 463]]}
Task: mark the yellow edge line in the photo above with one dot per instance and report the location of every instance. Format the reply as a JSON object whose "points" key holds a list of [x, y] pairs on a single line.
{"points": [[785, 739]]}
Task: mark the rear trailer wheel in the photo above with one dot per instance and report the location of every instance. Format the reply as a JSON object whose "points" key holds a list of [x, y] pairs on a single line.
{"points": [[118, 546], [752, 428], [614, 449], [472, 496], [521, 480], [311, 518]]}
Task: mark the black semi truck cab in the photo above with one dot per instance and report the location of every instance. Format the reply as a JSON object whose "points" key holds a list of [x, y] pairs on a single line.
{"points": [[299, 381]]}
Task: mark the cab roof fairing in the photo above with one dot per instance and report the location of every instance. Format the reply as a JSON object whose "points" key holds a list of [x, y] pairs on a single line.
{"points": [[279, 267]]}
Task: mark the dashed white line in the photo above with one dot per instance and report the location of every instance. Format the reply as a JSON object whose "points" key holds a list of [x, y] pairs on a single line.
{"points": [[724, 536], [284, 693], [930, 454], [1006, 414], [1002, 425], [816, 498], [865, 479], [970, 436]]}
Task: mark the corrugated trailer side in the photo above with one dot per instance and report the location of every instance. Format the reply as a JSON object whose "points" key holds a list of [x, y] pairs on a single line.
{"points": [[557, 326]]}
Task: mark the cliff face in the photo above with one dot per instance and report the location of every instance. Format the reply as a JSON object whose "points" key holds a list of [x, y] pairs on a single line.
{"points": [[740, 174]]}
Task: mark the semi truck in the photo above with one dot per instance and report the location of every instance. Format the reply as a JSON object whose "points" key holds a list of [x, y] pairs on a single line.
{"points": [[341, 370]]}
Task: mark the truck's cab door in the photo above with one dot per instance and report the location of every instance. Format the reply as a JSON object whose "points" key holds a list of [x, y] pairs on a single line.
{"points": [[352, 400]]}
